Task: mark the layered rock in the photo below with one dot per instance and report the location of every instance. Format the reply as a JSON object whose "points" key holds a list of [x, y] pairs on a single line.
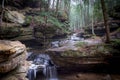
{"points": [[14, 16], [10, 30], [12, 54], [49, 31], [17, 74]]}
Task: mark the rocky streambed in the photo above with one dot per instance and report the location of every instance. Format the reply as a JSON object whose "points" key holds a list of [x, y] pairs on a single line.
{"points": [[73, 62]]}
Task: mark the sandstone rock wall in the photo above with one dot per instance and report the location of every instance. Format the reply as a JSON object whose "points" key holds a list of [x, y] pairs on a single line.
{"points": [[12, 53]]}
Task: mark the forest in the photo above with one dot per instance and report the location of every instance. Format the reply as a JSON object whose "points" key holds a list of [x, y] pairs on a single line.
{"points": [[59, 40]]}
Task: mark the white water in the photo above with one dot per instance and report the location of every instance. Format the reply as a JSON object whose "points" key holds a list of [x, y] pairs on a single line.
{"points": [[44, 63], [51, 73]]}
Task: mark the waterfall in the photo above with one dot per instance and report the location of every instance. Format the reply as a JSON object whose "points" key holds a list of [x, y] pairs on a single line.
{"points": [[51, 73], [30, 74], [42, 62], [49, 70]]}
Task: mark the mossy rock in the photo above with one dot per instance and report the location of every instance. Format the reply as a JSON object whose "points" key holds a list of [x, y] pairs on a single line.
{"points": [[71, 53], [48, 31], [10, 32]]}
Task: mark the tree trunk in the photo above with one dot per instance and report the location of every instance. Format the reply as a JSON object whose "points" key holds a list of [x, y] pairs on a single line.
{"points": [[93, 33], [53, 4], [105, 21], [57, 7]]}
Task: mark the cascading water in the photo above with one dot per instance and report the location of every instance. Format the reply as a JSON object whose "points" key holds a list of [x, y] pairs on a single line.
{"points": [[51, 73], [42, 62]]}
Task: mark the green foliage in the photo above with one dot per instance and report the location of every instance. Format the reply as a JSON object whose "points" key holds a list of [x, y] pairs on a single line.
{"points": [[57, 23], [43, 13], [51, 19], [62, 14], [37, 19], [113, 47], [115, 43], [98, 11], [54, 21]]}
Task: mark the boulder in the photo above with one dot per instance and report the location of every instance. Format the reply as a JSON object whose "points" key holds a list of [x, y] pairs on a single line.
{"points": [[18, 74], [12, 53], [14, 16], [11, 47], [11, 64]]}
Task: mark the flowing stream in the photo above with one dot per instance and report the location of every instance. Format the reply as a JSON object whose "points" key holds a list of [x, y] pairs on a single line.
{"points": [[42, 62]]}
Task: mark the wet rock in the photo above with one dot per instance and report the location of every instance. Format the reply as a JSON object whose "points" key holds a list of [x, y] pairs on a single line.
{"points": [[55, 44], [12, 54], [69, 45]]}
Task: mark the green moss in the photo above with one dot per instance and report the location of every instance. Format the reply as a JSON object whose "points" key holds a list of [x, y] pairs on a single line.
{"points": [[80, 44], [71, 53], [37, 19]]}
